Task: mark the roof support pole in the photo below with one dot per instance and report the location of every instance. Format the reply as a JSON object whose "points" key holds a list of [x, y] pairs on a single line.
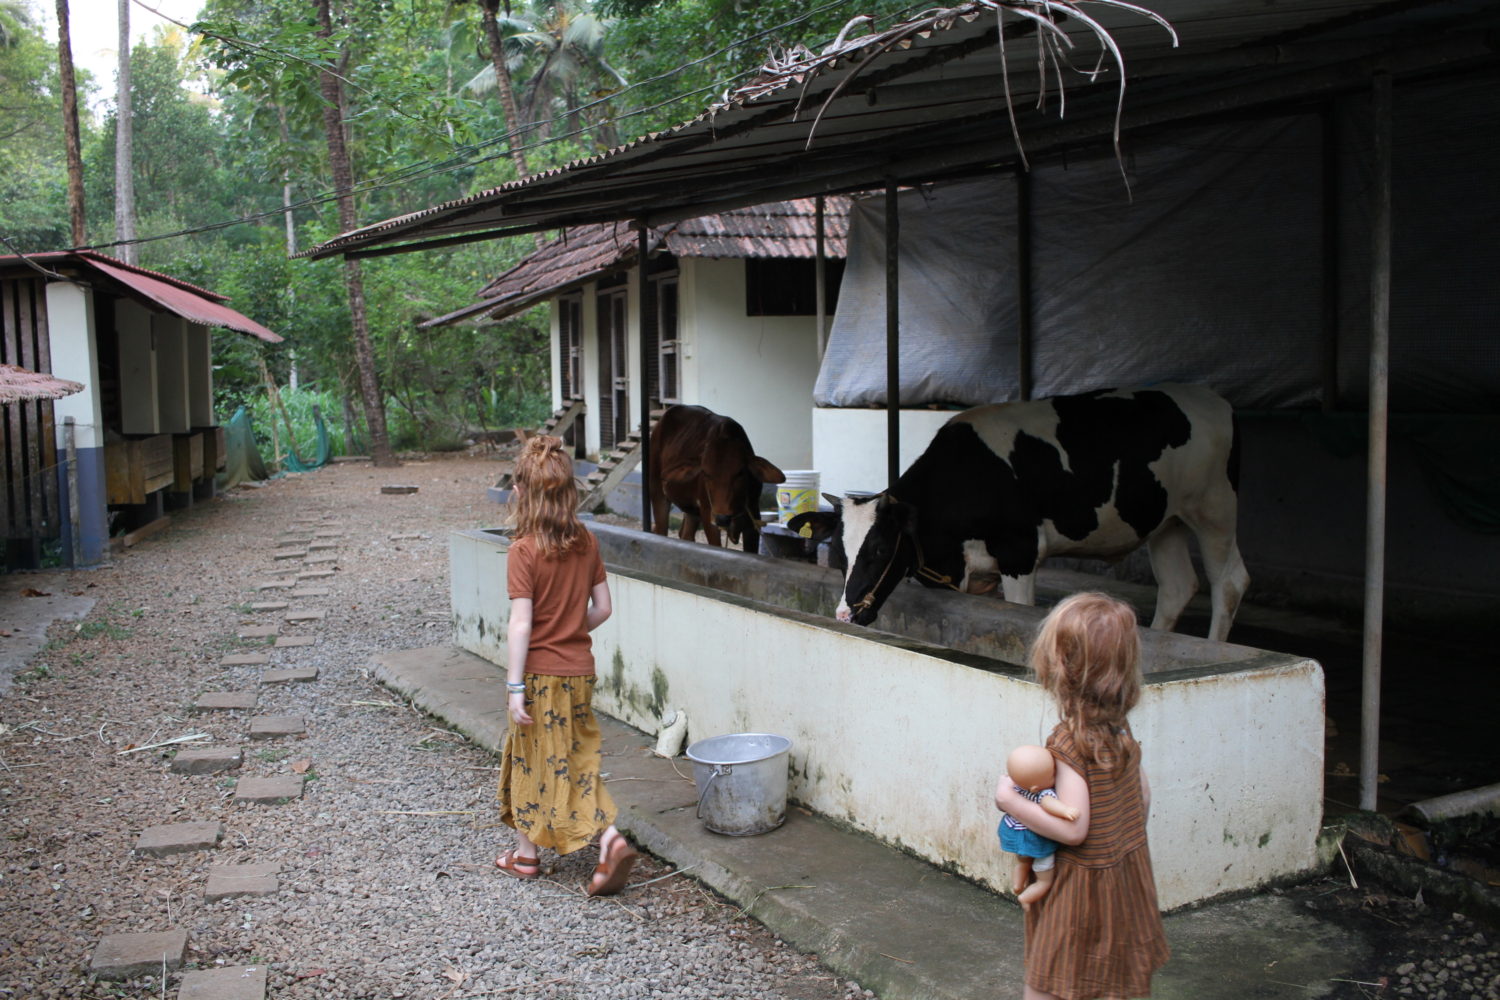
{"points": [[892, 336], [647, 318], [1023, 282], [1380, 346], [820, 269]]}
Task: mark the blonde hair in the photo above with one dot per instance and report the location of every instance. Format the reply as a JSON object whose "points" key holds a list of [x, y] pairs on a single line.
{"points": [[1087, 656], [545, 507]]}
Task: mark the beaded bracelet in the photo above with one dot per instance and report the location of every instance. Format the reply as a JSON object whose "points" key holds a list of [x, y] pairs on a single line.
{"points": [[515, 688]]}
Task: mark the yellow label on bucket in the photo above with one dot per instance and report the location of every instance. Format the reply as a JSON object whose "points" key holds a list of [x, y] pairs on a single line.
{"points": [[791, 501]]}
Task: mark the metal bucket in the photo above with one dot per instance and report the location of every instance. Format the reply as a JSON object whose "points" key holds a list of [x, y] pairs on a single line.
{"points": [[741, 782]]}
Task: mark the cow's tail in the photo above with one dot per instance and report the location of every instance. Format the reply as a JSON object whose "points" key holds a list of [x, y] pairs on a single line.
{"points": [[1233, 468]]}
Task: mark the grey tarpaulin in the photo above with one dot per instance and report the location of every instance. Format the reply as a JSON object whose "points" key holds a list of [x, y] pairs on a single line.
{"points": [[1209, 271]]}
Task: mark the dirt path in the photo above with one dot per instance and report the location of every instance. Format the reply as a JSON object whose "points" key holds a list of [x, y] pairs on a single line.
{"points": [[384, 886]]}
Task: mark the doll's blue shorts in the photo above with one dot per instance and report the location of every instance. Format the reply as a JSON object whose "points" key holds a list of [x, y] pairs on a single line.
{"points": [[1024, 842]]}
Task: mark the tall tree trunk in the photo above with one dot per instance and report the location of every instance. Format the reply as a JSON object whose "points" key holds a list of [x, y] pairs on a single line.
{"points": [[291, 236], [70, 124], [343, 185], [124, 147], [488, 9]]}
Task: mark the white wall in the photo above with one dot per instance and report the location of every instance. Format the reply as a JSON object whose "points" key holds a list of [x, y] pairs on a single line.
{"points": [[70, 330], [905, 743], [849, 445], [759, 370]]}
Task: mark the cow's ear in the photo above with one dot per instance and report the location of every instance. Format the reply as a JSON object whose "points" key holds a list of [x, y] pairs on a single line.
{"points": [[765, 471], [835, 499], [824, 525]]}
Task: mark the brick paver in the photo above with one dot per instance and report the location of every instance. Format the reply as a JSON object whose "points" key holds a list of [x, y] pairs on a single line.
{"points": [[284, 641], [305, 615], [228, 881], [224, 701], [277, 788], [321, 560], [289, 676], [322, 546], [269, 606], [256, 631], [315, 574], [270, 727], [311, 592], [291, 554], [235, 982], [125, 956], [178, 838], [207, 760], [298, 538], [276, 584], [245, 660]]}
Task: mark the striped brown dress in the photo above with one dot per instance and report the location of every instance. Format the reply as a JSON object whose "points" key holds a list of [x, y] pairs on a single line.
{"points": [[1098, 933]]}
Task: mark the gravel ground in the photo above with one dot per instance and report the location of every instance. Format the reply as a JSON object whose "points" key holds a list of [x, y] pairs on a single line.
{"points": [[376, 901]]}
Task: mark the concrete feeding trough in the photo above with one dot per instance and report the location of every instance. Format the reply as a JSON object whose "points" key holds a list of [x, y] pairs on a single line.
{"points": [[901, 731]]}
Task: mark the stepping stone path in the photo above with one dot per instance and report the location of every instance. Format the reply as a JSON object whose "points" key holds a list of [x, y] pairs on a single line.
{"points": [[207, 760], [228, 881], [125, 956], [292, 675], [237, 982], [245, 660], [405, 538], [128, 956], [178, 838], [224, 701], [278, 788], [271, 727], [257, 631]]}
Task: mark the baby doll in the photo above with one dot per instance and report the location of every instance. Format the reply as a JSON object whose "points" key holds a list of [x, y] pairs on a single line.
{"points": [[1031, 769]]}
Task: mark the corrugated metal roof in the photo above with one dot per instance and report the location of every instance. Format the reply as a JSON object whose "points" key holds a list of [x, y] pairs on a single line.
{"points": [[181, 298], [583, 253], [18, 384], [932, 99]]}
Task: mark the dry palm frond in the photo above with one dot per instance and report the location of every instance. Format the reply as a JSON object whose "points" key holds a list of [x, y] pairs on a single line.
{"points": [[1042, 17]]}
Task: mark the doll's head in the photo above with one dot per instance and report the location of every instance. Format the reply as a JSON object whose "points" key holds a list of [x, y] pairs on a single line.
{"points": [[1030, 767]]}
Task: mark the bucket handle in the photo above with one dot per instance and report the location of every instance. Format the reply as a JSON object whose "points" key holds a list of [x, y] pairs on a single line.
{"points": [[719, 769]]}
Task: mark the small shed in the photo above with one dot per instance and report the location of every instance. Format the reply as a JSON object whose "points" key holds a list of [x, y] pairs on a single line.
{"points": [[140, 435], [739, 323]]}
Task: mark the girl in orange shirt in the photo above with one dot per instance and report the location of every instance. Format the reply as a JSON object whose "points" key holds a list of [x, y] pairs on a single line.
{"points": [[551, 791]]}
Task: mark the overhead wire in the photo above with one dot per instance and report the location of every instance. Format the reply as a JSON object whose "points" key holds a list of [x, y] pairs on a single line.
{"points": [[432, 167]]}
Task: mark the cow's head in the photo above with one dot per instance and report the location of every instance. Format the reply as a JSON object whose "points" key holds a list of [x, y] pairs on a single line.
{"points": [[732, 479], [880, 547]]}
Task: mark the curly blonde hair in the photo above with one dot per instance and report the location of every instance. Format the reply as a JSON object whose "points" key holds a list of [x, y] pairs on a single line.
{"points": [[545, 507], [1087, 656]]}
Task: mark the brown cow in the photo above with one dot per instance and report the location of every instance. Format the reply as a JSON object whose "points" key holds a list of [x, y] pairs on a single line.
{"points": [[702, 462]]}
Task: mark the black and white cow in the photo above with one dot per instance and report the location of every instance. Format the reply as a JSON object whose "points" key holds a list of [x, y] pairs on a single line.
{"points": [[1002, 487]]}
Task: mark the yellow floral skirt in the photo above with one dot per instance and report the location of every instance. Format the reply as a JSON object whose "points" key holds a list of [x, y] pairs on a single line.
{"points": [[550, 787]]}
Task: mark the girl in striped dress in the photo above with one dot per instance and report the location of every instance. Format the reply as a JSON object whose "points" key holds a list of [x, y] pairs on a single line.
{"points": [[1098, 933]]}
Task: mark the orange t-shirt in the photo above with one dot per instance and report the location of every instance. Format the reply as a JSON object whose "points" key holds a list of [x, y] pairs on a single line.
{"points": [[559, 590]]}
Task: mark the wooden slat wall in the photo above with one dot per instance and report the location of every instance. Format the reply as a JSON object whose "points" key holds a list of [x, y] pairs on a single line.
{"points": [[28, 446]]}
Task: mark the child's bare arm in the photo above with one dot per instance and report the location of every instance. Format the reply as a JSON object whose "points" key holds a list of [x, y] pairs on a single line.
{"points": [[1071, 787], [599, 606]]}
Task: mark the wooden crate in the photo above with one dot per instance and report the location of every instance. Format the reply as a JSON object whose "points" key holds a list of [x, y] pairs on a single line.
{"points": [[137, 466], [187, 460]]}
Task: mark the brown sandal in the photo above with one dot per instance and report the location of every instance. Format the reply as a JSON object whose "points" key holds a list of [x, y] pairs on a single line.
{"points": [[511, 864], [615, 868]]}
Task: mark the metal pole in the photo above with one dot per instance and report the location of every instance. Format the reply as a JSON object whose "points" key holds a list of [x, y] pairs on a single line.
{"points": [[646, 318], [1023, 282], [892, 336], [1380, 346], [70, 453], [819, 271]]}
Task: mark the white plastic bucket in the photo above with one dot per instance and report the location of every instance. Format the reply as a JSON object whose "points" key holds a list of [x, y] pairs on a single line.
{"points": [[798, 495], [741, 782]]}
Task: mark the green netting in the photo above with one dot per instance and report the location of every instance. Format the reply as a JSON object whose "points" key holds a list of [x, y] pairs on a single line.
{"points": [[242, 460], [324, 451]]}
